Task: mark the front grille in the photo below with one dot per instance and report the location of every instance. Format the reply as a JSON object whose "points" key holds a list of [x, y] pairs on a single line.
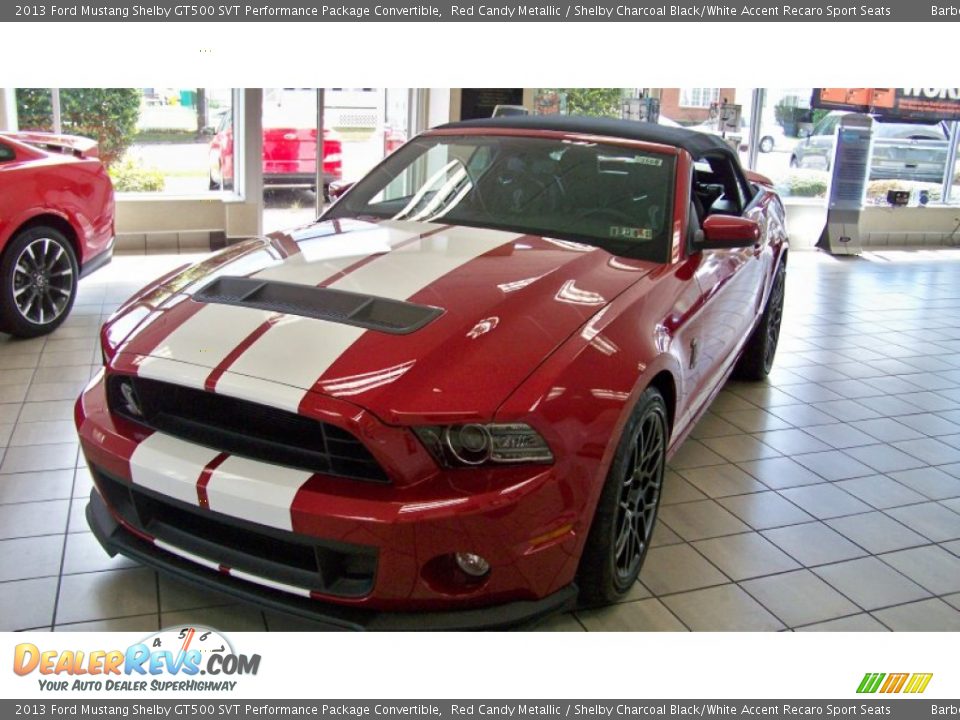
{"points": [[329, 567], [244, 428]]}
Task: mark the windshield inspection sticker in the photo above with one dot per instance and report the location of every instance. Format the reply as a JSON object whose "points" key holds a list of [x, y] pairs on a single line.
{"points": [[630, 233]]}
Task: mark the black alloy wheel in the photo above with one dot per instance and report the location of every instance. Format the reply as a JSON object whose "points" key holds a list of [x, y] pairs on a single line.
{"points": [[756, 362], [639, 497], [39, 277], [626, 513], [774, 318]]}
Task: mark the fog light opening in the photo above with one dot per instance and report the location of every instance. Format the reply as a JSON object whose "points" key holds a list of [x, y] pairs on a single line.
{"points": [[472, 564]]}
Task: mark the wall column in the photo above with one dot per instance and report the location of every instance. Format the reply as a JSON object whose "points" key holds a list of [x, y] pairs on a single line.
{"points": [[8, 109]]}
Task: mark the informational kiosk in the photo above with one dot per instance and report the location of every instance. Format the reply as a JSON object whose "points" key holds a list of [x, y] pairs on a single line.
{"points": [[848, 185]]}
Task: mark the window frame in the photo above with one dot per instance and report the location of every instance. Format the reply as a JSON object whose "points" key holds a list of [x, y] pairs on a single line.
{"points": [[712, 95]]}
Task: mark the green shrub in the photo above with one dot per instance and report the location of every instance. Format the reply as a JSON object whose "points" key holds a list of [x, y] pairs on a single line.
{"points": [[129, 175], [107, 115], [809, 183]]}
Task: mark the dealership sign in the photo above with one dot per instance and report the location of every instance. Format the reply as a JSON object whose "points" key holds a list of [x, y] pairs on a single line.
{"points": [[896, 103], [169, 660]]}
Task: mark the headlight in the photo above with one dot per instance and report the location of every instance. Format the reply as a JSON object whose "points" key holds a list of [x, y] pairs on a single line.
{"points": [[476, 444]]}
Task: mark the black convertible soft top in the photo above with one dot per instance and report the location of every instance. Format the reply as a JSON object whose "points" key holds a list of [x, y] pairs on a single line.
{"points": [[696, 143]]}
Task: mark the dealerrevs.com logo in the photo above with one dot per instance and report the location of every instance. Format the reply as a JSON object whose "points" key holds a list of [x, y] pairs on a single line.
{"points": [[173, 659], [894, 682]]}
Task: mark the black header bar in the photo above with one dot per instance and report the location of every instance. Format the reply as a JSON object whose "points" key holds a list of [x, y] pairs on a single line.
{"points": [[481, 11]]}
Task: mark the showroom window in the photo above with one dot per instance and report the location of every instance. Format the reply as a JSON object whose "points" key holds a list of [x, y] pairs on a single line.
{"points": [[361, 126], [790, 152], [699, 97], [594, 102], [800, 141], [153, 140]]}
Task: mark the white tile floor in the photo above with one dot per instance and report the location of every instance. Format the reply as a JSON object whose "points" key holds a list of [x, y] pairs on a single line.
{"points": [[825, 499]]}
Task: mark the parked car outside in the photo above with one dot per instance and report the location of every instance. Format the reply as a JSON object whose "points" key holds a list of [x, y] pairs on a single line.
{"points": [[901, 151], [56, 225], [289, 152], [449, 402]]}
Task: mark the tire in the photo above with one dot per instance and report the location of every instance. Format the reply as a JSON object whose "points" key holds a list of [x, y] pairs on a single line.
{"points": [[217, 184], [38, 282], [757, 359], [766, 144], [619, 535]]}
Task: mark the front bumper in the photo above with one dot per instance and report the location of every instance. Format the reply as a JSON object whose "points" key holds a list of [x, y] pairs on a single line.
{"points": [[526, 521], [116, 539]]}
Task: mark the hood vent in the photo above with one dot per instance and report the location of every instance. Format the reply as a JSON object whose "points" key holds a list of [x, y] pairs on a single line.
{"points": [[366, 311]]}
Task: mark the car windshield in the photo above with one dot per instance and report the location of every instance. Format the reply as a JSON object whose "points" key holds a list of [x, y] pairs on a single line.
{"points": [[617, 198], [910, 131]]}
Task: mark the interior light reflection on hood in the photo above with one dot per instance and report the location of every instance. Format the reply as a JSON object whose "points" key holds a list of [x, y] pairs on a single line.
{"points": [[570, 293], [356, 384]]}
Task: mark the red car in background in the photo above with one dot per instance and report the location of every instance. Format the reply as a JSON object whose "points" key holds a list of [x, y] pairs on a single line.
{"points": [[289, 152], [56, 225]]}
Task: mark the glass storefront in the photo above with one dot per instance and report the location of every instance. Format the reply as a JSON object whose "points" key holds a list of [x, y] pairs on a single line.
{"points": [[180, 141], [361, 126], [153, 140]]}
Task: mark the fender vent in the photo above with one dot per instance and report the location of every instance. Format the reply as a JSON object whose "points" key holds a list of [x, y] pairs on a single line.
{"points": [[366, 311]]}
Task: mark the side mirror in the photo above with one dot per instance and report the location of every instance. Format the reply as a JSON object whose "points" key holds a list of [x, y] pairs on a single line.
{"points": [[209, 130], [728, 231], [338, 188], [805, 130]]}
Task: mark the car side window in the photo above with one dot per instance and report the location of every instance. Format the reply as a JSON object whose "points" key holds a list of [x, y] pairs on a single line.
{"points": [[6, 153], [827, 126], [718, 187]]}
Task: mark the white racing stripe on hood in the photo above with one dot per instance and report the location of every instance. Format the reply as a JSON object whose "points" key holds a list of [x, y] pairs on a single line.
{"points": [[201, 342], [407, 271], [294, 352], [297, 351], [188, 354], [325, 257], [170, 466], [255, 491]]}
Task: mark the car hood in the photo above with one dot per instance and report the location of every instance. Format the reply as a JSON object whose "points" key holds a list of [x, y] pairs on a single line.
{"points": [[498, 304]]}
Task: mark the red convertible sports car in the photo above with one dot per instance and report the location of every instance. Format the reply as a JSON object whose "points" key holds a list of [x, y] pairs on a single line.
{"points": [[56, 225], [449, 402]]}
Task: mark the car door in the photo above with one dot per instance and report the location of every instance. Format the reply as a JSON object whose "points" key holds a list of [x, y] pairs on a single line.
{"points": [[817, 150], [730, 281], [11, 201]]}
